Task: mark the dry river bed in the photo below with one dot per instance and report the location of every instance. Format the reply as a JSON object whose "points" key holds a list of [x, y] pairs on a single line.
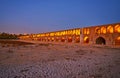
{"points": [[59, 61]]}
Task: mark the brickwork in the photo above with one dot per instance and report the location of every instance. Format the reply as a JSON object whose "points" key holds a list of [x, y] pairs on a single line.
{"points": [[108, 34]]}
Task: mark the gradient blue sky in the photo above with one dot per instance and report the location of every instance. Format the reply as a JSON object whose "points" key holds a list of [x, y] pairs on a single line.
{"points": [[36, 16]]}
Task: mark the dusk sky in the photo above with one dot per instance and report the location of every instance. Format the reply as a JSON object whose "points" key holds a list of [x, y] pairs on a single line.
{"points": [[37, 16]]}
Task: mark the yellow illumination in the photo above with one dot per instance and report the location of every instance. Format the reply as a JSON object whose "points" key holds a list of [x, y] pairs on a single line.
{"points": [[48, 38], [97, 30], [69, 32], [47, 34], [69, 37], [77, 31], [74, 32], [110, 29], [63, 38], [117, 28], [103, 30], [57, 34], [52, 38], [85, 38], [42, 35], [52, 34], [77, 37], [84, 31], [63, 33], [118, 38], [87, 31]]}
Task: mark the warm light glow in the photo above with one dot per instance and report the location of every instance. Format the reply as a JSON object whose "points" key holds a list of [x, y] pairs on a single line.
{"points": [[63, 38], [74, 32], [69, 32], [63, 33], [52, 34], [86, 39], [97, 30], [117, 28], [47, 34], [38, 35], [110, 29], [52, 38], [69, 37], [57, 33], [103, 30], [77, 31], [118, 38], [77, 37], [86, 31], [48, 38]]}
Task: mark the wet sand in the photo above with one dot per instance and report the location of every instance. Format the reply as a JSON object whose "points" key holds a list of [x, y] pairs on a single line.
{"points": [[51, 60]]}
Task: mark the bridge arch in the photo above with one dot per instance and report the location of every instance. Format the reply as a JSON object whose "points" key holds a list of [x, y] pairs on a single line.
{"points": [[69, 39], [117, 41], [100, 40], [97, 30], [110, 29], [57, 39], [62, 39], [86, 39], [117, 28], [103, 30], [77, 39]]}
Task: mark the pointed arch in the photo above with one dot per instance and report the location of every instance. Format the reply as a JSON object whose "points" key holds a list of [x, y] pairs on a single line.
{"points": [[117, 28], [77, 39], [86, 39], [69, 39], [103, 30], [117, 41], [100, 40], [97, 30], [110, 29]]}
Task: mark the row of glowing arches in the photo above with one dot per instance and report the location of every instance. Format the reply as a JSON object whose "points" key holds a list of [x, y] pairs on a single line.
{"points": [[86, 31], [59, 33], [72, 32], [62, 39], [109, 29], [117, 40]]}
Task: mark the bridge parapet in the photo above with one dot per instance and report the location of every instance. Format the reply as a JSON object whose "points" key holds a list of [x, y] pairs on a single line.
{"points": [[103, 34]]}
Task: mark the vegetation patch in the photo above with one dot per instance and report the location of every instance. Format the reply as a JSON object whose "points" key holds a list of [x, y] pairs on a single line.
{"points": [[14, 42]]}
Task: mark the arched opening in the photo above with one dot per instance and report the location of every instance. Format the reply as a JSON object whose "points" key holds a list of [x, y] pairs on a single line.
{"points": [[62, 39], [117, 41], [110, 29], [97, 30], [77, 39], [39, 39], [103, 30], [117, 28], [100, 40], [69, 39], [86, 40], [48, 39], [57, 39], [52, 39]]}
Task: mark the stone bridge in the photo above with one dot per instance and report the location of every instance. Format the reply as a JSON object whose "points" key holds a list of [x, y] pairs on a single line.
{"points": [[108, 34]]}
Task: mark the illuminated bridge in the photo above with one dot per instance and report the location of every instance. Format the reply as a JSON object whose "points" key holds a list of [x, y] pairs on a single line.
{"points": [[108, 34]]}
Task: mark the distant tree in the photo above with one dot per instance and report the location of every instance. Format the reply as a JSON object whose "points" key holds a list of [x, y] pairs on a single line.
{"points": [[4, 35]]}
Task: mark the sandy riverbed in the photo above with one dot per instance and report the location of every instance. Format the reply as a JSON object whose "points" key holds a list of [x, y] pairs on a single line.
{"points": [[46, 60]]}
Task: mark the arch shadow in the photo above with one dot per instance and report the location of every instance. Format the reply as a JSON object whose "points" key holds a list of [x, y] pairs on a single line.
{"points": [[100, 40]]}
